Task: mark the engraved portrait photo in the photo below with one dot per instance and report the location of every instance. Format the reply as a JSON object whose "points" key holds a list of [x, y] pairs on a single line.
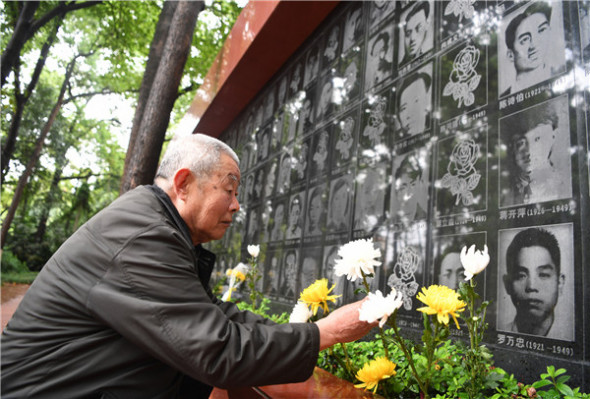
{"points": [[284, 174], [536, 164], [295, 217], [536, 281], [380, 10], [330, 256], [353, 26], [463, 78], [448, 269], [371, 186], [272, 271], [301, 156], [531, 46], [253, 229], [277, 224], [413, 103], [416, 31], [332, 47], [306, 118], [315, 213], [320, 160], [310, 265], [289, 274], [584, 19], [325, 103], [409, 188], [340, 203], [379, 59], [461, 184], [312, 65]]}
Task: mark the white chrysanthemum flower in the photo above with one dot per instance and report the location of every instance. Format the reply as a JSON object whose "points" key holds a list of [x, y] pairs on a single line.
{"points": [[474, 261], [357, 256], [300, 314], [378, 307], [254, 250]]}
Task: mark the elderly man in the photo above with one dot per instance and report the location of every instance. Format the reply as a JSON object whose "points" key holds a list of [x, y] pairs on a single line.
{"points": [[123, 309]]}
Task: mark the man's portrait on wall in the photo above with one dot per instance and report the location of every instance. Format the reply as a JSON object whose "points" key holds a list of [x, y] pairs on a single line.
{"points": [[448, 269], [325, 103], [315, 214], [310, 265], [536, 166], [380, 10], [300, 165], [270, 170], [332, 47], [320, 159], [284, 174], [340, 203], [263, 140], [409, 189], [379, 60], [253, 229], [312, 65], [289, 274], [416, 33], [269, 104], [531, 46], [344, 138], [296, 81], [371, 186], [353, 27], [413, 103], [272, 271], [464, 75], [295, 217], [306, 119], [462, 172], [277, 224], [277, 130], [536, 281]]}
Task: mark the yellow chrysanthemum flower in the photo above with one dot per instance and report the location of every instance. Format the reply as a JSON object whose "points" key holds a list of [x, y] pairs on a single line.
{"points": [[441, 301], [237, 274], [376, 370], [317, 295]]}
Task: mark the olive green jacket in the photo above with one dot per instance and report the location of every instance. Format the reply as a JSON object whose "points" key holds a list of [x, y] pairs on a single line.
{"points": [[123, 310]]}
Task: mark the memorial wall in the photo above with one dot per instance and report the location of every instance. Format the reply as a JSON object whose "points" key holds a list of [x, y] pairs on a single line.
{"points": [[427, 126]]}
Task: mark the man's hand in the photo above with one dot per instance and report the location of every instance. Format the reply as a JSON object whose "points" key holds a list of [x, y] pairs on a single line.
{"points": [[343, 325]]}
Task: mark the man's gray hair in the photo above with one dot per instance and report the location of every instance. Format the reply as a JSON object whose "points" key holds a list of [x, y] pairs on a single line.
{"points": [[197, 152]]}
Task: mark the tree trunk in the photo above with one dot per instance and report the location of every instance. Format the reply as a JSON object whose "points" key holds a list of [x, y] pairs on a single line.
{"points": [[21, 100], [22, 182], [160, 92], [26, 27]]}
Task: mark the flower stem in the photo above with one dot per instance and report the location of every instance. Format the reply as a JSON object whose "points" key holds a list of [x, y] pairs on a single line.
{"points": [[384, 343], [408, 356]]}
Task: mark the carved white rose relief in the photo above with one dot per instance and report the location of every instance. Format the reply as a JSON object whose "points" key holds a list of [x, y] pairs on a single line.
{"points": [[461, 9], [403, 278], [464, 79], [462, 177]]}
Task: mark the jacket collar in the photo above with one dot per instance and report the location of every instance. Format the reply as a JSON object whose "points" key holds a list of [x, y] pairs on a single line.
{"points": [[205, 258]]}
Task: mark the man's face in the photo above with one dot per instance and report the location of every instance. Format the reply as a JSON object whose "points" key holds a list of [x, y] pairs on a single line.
{"points": [[413, 107], [294, 214], [522, 154], [541, 140], [535, 285], [212, 202], [531, 42], [451, 271], [315, 209], [415, 33]]}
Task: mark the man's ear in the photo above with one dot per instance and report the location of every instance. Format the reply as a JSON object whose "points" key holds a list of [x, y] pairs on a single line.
{"points": [[181, 181], [510, 55]]}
